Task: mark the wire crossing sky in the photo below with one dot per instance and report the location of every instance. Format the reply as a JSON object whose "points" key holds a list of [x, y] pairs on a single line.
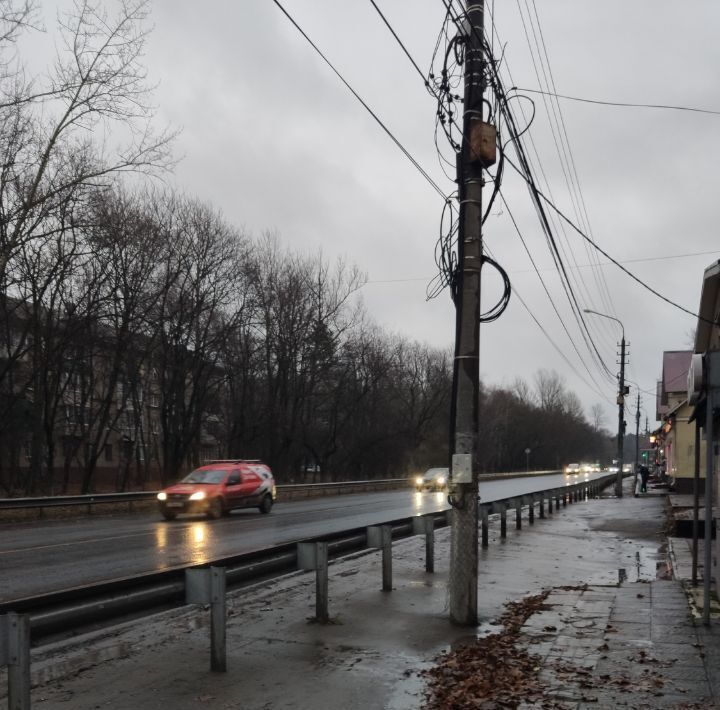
{"points": [[272, 137]]}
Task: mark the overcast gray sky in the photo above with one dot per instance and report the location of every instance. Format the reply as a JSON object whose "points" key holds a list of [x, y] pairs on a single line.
{"points": [[272, 138]]}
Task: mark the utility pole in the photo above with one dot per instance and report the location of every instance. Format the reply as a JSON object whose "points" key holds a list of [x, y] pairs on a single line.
{"points": [[637, 442], [621, 418], [466, 367], [637, 431]]}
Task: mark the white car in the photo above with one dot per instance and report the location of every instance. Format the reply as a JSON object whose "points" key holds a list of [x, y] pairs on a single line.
{"points": [[434, 479], [572, 469]]}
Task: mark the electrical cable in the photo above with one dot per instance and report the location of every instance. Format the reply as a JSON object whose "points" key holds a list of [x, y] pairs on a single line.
{"points": [[565, 282], [607, 256], [598, 274], [399, 41], [574, 185], [405, 152], [577, 312], [624, 104], [545, 288], [559, 350]]}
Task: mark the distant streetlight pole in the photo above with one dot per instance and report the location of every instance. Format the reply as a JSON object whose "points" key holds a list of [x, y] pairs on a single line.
{"points": [[527, 460], [620, 400]]}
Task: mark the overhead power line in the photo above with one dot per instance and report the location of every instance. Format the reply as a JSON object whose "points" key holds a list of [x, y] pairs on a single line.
{"points": [[562, 215], [400, 42], [625, 104], [580, 266], [392, 137]]}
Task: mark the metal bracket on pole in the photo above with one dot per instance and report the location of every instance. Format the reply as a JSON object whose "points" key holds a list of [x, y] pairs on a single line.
{"points": [[313, 556], [425, 525], [380, 538], [207, 586], [15, 654]]}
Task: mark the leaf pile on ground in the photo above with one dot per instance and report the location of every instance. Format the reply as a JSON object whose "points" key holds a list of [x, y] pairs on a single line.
{"points": [[491, 672]]}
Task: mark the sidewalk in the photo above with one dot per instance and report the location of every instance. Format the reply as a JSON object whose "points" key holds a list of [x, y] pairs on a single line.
{"points": [[591, 642]]}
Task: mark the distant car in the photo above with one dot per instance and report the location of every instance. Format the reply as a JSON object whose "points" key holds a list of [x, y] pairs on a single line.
{"points": [[572, 469], [219, 487], [613, 468], [627, 468], [434, 479]]}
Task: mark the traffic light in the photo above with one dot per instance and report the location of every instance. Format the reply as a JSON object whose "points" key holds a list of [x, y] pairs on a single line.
{"points": [[645, 455]]}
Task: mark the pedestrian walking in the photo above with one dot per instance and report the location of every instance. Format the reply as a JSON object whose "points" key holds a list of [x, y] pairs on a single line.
{"points": [[644, 475]]}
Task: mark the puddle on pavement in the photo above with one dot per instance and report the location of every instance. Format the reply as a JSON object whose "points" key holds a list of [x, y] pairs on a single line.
{"points": [[409, 690], [649, 563]]}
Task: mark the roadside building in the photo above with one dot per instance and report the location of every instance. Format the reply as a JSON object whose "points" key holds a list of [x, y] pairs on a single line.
{"points": [[706, 385], [676, 435]]}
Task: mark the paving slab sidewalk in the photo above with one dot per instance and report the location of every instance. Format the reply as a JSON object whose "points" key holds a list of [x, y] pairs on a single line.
{"points": [[634, 640]]}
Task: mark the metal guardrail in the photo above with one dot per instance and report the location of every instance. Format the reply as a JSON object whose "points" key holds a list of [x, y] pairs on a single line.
{"points": [[289, 491], [292, 490], [104, 601]]}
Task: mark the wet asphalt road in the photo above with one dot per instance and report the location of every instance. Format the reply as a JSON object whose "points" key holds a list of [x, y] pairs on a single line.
{"points": [[38, 557]]}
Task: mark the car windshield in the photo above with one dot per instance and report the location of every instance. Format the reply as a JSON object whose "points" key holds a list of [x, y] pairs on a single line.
{"points": [[433, 473], [205, 476]]}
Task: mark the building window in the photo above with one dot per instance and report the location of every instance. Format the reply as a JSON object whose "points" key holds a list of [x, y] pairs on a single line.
{"points": [[154, 399]]}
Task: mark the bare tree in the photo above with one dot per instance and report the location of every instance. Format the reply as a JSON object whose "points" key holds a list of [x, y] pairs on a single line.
{"points": [[597, 414], [550, 390]]}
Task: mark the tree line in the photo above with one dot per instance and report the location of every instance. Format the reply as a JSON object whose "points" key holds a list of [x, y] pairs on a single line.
{"points": [[137, 325]]}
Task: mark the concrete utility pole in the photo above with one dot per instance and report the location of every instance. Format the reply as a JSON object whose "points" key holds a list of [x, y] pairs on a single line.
{"points": [[637, 442], [466, 368], [622, 391], [621, 418]]}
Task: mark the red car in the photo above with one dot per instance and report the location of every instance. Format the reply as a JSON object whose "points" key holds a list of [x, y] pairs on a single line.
{"points": [[218, 487]]}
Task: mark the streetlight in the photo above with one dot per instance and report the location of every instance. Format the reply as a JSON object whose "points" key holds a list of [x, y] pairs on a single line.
{"points": [[527, 460], [622, 391]]}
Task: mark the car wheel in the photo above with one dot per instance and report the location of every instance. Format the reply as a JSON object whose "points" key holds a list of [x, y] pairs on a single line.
{"points": [[215, 509], [168, 515], [266, 505]]}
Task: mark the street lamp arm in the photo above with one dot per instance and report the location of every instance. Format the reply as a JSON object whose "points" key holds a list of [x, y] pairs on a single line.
{"points": [[604, 315]]}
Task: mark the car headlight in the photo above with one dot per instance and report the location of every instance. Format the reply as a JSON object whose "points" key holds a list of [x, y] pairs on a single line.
{"points": [[441, 480], [162, 495], [198, 495], [418, 481]]}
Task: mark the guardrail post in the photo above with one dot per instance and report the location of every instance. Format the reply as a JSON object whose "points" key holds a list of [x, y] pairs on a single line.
{"points": [[542, 506], [218, 615], [564, 498], [484, 524], [518, 513], [313, 556], [425, 525], [502, 509], [531, 508], [380, 538], [207, 586], [15, 654], [557, 500]]}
